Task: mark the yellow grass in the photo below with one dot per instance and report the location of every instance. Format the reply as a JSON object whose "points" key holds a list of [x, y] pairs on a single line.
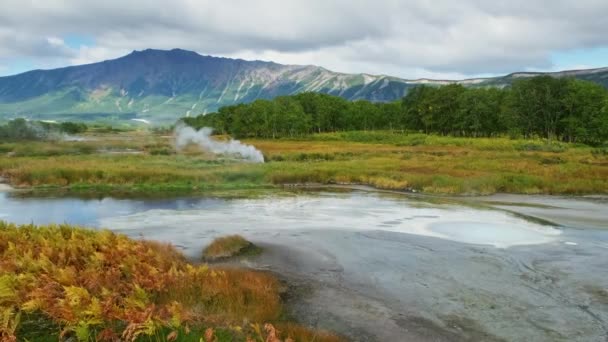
{"points": [[404, 162]]}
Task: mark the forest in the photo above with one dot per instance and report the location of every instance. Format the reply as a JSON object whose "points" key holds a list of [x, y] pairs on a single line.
{"points": [[563, 109]]}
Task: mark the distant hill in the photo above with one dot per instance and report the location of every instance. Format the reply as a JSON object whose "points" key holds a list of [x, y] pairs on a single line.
{"points": [[161, 86]]}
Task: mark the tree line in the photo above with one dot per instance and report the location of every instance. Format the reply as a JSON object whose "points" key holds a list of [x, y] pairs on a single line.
{"points": [[553, 108]]}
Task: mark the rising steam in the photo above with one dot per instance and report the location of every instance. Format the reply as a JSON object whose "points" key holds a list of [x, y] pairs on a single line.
{"points": [[185, 135]]}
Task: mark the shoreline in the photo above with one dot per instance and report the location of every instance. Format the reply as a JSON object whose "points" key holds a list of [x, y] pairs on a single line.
{"points": [[413, 193], [126, 190], [531, 207], [540, 208]]}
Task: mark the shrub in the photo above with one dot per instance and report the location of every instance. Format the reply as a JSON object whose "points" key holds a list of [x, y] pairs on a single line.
{"points": [[541, 147], [600, 152], [314, 157], [73, 127], [161, 151], [413, 140], [226, 247]]}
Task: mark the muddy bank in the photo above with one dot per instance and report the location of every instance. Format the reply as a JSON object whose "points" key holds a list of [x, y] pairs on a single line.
{"points": [[587, 211], [581, 212], [385, 286], [318, 296]]}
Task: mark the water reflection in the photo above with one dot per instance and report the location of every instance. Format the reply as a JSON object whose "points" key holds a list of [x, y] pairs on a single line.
{"points": [[90, 211]]}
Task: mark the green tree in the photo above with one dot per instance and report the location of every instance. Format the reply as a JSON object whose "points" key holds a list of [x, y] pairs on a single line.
{"points": [[418, 108], [536, 103], [445, 108], [583, 104], [478, 112], [390, 115], [554, 108]]}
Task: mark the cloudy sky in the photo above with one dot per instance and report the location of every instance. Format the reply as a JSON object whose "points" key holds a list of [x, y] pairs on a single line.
{"points": [[406, 38]]}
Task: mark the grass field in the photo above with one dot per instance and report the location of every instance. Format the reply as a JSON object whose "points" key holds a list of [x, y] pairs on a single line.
{"points": [[141, 162]]}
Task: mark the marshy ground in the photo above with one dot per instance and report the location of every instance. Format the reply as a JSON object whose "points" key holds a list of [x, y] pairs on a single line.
{"points": [[143, 162]]}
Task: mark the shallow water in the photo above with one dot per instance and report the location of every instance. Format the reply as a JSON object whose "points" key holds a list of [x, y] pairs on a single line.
{"points": [[381, 265], [200, 219]]}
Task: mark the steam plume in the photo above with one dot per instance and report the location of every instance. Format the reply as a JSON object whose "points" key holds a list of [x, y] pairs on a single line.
{"points": [[185, 135]]}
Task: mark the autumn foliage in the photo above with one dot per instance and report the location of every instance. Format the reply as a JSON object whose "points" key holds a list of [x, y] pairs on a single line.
{"points": [[97, 285]]}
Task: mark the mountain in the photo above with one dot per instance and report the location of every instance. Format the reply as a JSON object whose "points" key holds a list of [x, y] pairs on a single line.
{"points": [[161, 86], [164, 85], [599, 75]]}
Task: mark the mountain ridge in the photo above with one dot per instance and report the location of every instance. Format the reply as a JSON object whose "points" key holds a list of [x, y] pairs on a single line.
{"points": [[163, 85]]}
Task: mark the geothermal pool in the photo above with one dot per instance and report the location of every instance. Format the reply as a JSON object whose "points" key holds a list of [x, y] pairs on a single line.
{"points": [[192, 222], [385, 267]]}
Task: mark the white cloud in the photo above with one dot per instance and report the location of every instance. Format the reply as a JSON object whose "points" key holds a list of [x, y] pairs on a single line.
{"points": [[55, 41], [406, 38], [91, 54]]}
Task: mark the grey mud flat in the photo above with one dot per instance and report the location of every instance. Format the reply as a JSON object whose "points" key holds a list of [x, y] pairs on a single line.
{"points": [[360, 313], [420, 289]]}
